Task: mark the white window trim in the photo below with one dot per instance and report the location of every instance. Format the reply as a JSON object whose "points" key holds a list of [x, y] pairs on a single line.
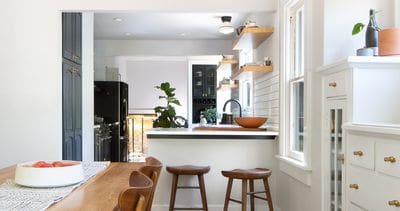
{"points": [[300, 170]]}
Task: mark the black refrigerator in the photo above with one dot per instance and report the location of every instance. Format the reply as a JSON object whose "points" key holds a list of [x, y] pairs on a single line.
{"points": [[111, 103]]}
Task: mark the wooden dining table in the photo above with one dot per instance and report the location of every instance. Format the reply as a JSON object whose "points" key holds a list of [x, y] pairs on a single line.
{"points": [[98, 193]]}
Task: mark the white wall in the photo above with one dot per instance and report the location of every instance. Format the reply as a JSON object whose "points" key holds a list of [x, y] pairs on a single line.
{"points": [[396, 9], [31, 117], [143, 75], [107, 50], [266, 85], [338, 40]]}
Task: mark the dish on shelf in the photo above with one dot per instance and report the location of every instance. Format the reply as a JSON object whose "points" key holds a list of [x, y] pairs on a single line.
{"points": [[40, 174]]}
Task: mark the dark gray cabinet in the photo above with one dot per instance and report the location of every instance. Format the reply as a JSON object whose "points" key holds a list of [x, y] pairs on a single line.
{"points": [[204, 80], [72, 86], [72, 37]]}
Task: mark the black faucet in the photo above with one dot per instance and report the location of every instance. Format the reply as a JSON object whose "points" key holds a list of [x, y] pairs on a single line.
{"points": [[233, 100]]}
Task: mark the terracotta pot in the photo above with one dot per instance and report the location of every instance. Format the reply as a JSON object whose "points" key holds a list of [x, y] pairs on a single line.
{"points": [[389, 42]]}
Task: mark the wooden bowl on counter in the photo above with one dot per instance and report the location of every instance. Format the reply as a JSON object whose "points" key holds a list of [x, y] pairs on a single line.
{"points": [[250, 122]]}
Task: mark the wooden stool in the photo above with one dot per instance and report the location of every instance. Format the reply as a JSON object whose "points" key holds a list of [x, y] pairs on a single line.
{"points": [[188, 170], [248, 175]]}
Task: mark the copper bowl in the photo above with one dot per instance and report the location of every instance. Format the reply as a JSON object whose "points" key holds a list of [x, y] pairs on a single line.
{"points": [[250, 122]]}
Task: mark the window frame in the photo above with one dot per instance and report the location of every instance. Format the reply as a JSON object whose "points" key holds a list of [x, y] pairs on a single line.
{"points": [[294, 72]]}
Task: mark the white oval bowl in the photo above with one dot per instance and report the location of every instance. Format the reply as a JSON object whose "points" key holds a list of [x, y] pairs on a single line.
{"points": [[29, 176]]}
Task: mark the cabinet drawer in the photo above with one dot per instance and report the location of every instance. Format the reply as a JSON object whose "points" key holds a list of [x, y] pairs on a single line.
{"points": [[356, 207], [386, 190], [360, 187], [360, 151], [335, 84], [388, 158]]}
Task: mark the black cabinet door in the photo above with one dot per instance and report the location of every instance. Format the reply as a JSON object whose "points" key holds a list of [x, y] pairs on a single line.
{"points": [[204, 79], [72, 37], [68, 35], [77, 38], [72, 111]]}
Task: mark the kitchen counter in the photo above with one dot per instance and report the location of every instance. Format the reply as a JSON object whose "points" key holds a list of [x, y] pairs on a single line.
{"points": [[219, 149], [185, 133]]}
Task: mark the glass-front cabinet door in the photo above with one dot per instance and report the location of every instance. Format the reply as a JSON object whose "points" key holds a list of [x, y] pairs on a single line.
{"points": [[335, 145]]}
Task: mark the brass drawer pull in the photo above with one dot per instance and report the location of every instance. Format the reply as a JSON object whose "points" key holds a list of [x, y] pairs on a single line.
{"points": [[395, 203], [354, 186], [332, 84], [358, 153], [390, 159]]}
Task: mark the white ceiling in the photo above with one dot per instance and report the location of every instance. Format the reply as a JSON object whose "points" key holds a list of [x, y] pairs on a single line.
{"points": [[155, 26]]}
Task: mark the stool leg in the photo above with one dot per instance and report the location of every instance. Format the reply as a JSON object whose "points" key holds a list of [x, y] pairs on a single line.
{"points": [[203, 192], [251, 182], [268, 193], [244, 194], [173, 192], [228, 194]]}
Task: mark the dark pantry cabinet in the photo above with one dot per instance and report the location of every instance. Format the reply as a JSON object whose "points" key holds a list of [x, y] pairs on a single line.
{"points": [[72, 37], [204, 80], [72, 86]]}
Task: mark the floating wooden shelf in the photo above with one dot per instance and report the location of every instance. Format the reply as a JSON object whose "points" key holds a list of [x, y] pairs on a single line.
{"points": [[251, 38], [225, 62], [227, 86], [256, 68], [248, 69], [228, 61]]}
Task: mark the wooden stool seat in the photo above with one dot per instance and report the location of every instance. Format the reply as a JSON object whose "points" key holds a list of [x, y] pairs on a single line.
{"points": [[256, 173], [188, 170], [248, 175]]}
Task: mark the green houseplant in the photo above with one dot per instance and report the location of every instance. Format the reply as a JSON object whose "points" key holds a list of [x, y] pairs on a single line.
{"points": [[211, 115], [166, 115]]}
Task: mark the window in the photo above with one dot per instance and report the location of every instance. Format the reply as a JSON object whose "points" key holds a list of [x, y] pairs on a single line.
{"points": [[294, 83], [246, 96]]}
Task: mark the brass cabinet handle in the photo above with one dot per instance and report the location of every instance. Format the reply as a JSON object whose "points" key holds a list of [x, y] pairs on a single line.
{"points": [[354, 186], [390, 159], [395, 203], [358, 153], [340, 157], [332, 84]]}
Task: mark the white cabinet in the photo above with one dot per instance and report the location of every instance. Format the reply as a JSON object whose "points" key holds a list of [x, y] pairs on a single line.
{"points": [[372, 183], [361, 165], [335, 154]]}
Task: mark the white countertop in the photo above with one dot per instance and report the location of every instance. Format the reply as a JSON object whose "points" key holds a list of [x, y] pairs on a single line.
{"points": [[190, 131]]}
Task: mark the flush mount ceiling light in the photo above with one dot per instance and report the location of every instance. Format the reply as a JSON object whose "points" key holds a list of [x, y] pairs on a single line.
{"points": [[226, 27], [117, 19], [128, 34]]}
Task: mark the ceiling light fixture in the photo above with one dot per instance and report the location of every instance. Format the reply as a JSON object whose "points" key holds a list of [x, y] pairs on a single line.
{"points": [[128, 34], [226, 27], [118, 19]]}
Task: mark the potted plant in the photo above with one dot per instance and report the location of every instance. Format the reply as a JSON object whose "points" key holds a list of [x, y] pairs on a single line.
{"points": [[389, 42], [166, 115], [211, 115], [371, 35]]}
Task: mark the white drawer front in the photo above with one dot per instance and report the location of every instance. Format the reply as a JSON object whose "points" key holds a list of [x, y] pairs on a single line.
{"points": [[387, 189], [360, 151], [388, 158], [356, 207], [335, 84], [363, 194]]}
